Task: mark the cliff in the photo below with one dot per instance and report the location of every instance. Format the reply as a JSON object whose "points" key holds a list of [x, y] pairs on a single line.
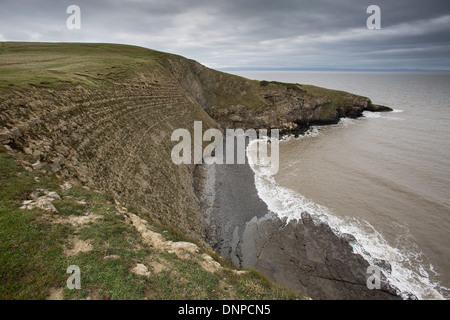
{"points": [[101, 116], [237, 102]]}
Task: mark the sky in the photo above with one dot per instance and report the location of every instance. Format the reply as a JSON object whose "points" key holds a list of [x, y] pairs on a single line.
{"points": [[257, 34]]}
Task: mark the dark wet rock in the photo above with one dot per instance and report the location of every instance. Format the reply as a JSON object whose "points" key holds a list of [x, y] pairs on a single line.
{"points": [[377, 108], [309, 258], [383, 265], [349, 238]]}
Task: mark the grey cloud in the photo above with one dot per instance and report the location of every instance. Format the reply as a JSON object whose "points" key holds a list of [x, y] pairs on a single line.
{"points": [[250, 33]]}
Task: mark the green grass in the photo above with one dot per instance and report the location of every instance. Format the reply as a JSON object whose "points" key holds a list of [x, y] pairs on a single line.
{"points": [[336, 99], [186, 279], [25, 65], [33, 262], [254, 286], [30, 249]]}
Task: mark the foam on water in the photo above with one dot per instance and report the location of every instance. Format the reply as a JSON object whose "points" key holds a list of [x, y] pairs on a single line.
{"points": [[409, 278], [373, 115], [386, 116], [312, 132], [344, 122]]}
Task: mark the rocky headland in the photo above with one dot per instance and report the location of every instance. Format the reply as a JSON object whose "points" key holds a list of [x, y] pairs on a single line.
{"points": [[102, 116]]}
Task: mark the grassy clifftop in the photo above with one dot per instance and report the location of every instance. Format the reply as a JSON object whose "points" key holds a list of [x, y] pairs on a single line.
{"points": [[47, 225], [100, 116], [233, 101], [57, 66]]}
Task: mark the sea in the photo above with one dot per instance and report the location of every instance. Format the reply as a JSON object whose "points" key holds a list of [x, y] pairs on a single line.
{"points": [[384, 177]]}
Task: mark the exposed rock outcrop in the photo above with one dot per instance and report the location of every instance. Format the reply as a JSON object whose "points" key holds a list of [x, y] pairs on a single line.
{"points": [[242, 103], [308, 257], [110, 126]]}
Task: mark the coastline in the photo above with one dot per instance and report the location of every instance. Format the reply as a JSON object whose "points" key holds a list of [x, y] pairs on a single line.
{"points": [[301, 255]]}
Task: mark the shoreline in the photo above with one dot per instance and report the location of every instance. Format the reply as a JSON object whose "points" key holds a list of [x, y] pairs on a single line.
{"points": [[300, 255]]}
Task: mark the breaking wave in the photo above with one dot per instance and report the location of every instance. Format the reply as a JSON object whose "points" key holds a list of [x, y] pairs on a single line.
{"points": [[406, 275]]}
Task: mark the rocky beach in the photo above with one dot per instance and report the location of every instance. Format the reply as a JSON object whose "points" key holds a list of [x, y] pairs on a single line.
{"points": [[304, 255]]}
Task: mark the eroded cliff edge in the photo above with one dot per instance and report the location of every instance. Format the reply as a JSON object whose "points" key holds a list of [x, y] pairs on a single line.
{"points": [[237, 102], [103, 115]]}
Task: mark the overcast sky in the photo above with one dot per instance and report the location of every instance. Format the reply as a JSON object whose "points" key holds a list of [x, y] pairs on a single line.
{"points": [[415, 34]]}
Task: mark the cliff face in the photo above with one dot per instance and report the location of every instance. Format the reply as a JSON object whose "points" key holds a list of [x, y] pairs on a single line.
{"points": [[104, 114], [242, 103], [108, 125]]}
